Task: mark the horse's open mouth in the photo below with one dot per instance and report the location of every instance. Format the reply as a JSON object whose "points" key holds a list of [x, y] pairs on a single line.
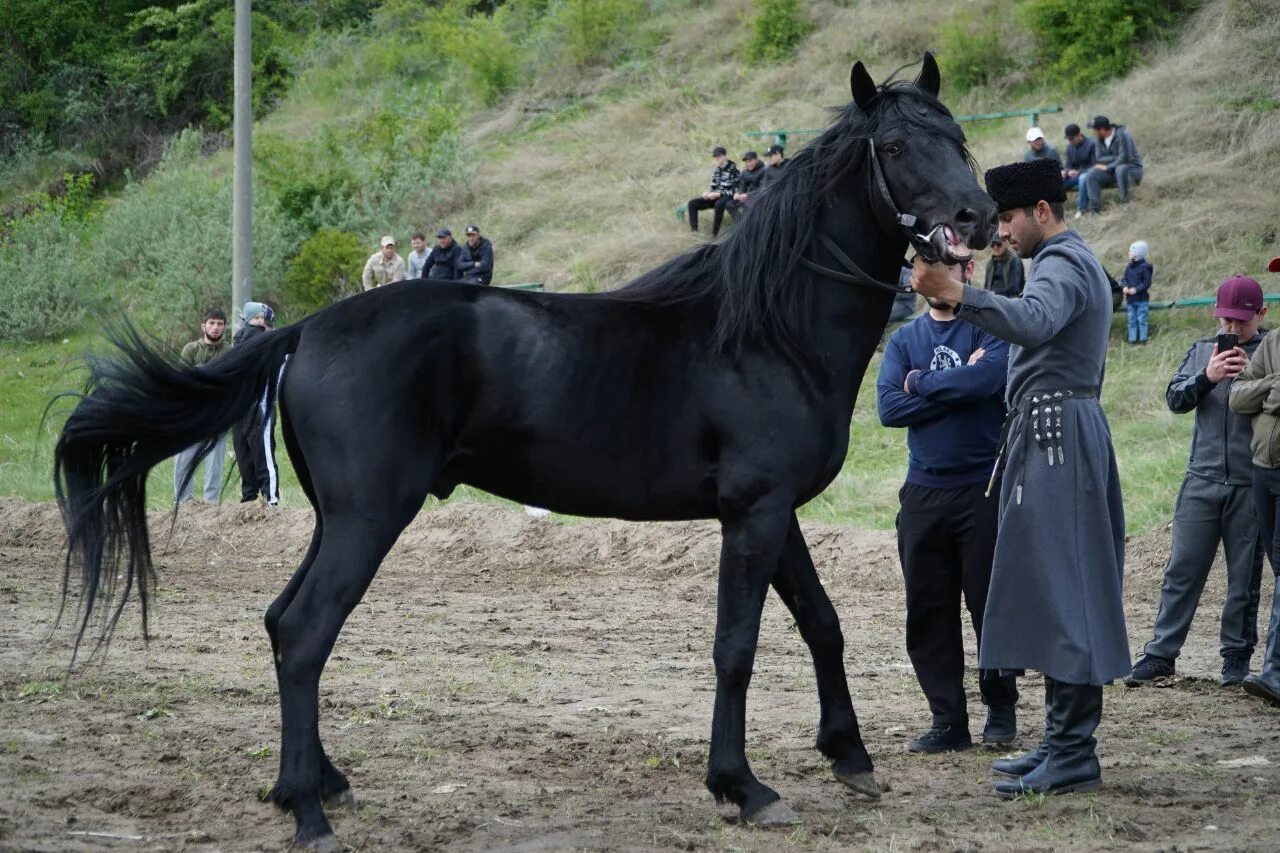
{"points": [[955, 251]]}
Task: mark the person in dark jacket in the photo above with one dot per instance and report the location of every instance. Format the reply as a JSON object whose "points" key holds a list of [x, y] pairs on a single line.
{"points": [[1215, 503], [1056, 601], [1004, 274], [476, 261], [944, 381], [776, 160], [1117, 162], [719, 196], [750, 180], [1079, 160], [253, 437], [1136, 283], [444, 261]]}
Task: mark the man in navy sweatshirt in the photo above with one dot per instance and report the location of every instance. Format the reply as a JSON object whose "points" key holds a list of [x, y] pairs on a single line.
{"points": [[944, 381]]}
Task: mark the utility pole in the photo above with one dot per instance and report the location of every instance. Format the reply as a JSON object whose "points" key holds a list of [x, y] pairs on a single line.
{"points": [[242, 188]]}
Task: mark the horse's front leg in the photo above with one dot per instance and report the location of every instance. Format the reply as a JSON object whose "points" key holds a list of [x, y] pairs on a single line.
{"points": [[839, 737], [753, 539]]}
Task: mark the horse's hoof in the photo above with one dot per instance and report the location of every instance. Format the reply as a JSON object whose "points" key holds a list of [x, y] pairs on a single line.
{"points": [[324, 844], [863, 781], [342, 800], [775, 814]]}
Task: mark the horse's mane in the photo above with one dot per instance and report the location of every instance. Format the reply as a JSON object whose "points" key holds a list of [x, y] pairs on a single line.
{"points": [[746, 277]]}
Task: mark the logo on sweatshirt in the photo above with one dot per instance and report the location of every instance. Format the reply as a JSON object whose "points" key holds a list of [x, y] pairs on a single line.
{"points": [[944, 358]]}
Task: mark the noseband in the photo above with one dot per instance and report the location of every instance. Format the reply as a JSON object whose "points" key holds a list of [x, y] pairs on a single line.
{"points": [[931, 246]]}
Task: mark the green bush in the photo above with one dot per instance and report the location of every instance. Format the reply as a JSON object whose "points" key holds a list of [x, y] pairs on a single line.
{"points": [[44, 276], [326, 269], [972, 52], [597, 31], [778, 28], [1085, 42]]}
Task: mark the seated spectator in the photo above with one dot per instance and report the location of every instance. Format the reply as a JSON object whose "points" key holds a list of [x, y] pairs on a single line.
{"points": [[418, 256], [750, 180], [777, 161], [1117, 162], [384, 266], [1080, 158], [444, 260], [1136, 282], [724, 180], [476, 262], [1004, 274], [1038, 149]]}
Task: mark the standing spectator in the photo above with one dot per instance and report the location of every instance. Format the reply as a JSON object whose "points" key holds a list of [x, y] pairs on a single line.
{"points": [[777, 161], [445, 258], [1117, 162], [254, 436], [1254, 393], [212, 343], [1038, 149], [1004, 274], [904, 304], [384, 266], [750, 180], [1215, 503], [476, 260], [418, 256], [1136, 283], [944, 381], [1056, 601], [1080, 159], [724, 180]]}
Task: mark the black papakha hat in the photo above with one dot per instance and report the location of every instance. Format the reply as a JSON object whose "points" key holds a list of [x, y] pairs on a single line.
{"points": [[1024, 183]]}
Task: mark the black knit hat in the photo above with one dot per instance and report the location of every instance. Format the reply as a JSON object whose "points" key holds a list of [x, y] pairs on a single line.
{"points": [[1024, 183]]}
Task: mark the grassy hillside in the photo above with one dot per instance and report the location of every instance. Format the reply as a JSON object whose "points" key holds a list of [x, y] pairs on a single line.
{"points": [[575, 170]]}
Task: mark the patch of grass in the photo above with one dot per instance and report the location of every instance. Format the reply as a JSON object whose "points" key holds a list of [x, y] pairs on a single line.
{"points": [[40, 691]]}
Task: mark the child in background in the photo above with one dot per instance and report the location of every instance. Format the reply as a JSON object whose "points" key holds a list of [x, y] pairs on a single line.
{"points": [[1136, 282]]}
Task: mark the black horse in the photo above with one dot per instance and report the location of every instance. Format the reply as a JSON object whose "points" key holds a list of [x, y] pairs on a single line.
{"points": [[719, 385]]}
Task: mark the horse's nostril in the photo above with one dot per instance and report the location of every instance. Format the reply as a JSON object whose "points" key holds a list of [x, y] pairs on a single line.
{"points": [[967, 216]]}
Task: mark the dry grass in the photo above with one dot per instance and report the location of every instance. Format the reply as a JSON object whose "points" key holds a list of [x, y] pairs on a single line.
{"points": [[588, 200]]}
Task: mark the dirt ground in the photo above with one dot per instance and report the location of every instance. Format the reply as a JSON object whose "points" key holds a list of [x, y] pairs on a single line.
{"points": [[519, 684]]}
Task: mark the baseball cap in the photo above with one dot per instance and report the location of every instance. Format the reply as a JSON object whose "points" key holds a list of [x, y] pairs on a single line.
{"points": [[751, 155], [444, 232], [718, 150], [1239, 298], [1071, 130], [388, 240], [1035, 133], [473, 229], [1100, 122], [1274, 266], [775, 149]]}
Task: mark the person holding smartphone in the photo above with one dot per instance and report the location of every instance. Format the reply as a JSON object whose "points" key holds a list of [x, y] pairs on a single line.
{"points": [[1215, 503]]}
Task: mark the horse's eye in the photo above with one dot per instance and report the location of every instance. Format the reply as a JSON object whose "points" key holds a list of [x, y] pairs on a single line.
{"points": [[893, 149]]}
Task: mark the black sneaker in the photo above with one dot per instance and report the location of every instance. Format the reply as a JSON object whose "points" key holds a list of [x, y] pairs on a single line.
{"points": [[1149, 669], [1234, 670], [942, 738], [1002, 726]]}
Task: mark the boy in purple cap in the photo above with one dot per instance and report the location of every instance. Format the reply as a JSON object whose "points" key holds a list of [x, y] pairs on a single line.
{"points": [[1215, 503], [1256, 392]]}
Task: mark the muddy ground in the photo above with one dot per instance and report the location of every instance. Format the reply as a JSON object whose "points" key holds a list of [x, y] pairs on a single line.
{"points": [[515, 684]]}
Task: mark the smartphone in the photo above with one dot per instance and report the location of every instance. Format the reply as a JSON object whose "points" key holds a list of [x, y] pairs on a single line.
{"points": [[1227, 341]]}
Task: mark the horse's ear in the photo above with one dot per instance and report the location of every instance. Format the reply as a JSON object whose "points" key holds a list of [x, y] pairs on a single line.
{"points": [[929, 80], [864, 88]]}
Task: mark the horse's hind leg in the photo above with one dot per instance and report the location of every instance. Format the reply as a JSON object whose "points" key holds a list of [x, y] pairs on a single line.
{"points": [[839, 738], [350, 551]]}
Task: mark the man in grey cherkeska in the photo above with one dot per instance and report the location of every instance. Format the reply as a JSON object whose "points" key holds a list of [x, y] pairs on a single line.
{"points": [[1055, 603]]}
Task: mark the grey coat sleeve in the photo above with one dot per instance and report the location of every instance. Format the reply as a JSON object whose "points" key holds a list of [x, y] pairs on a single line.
{"points": [[1250, 389], [1056, 294]]}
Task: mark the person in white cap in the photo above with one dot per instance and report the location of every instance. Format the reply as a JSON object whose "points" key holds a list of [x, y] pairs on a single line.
{"points": [[384, 266], [1136, 282], [1038, 149]]}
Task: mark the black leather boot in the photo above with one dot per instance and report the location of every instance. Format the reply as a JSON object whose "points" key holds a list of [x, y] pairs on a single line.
{"points": [[1023, 764], [1072, 763]]}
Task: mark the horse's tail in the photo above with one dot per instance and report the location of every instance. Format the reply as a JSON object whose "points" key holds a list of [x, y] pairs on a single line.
{"points": [[139, 408]]}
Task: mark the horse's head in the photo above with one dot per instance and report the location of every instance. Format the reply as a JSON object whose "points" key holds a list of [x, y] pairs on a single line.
{"points": [[921, 177]]}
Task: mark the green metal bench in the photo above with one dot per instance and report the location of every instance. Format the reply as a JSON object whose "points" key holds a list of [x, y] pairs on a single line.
{"points": [[1033, 114]]}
